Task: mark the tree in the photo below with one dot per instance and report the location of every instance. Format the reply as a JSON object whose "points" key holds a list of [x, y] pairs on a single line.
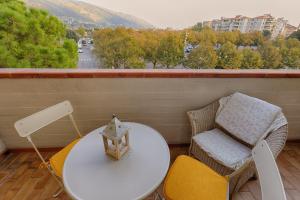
{"points": [[150, 46], [197, 27], [32, 38], [170, 49], [192, 36], [245, 39], [290, 57], [81, 31], [267, 34], [295, 34], [280, 42], [290, 53], [251, 59], [118, 48], [257, 38], [231, 36], [72, 51], [202, 57], [229, 57], [206, 35], [292, 43], [271, 55], [72, 35]]}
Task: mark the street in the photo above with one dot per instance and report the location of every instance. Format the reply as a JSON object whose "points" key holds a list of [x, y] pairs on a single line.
{"points": [[86, 59]]}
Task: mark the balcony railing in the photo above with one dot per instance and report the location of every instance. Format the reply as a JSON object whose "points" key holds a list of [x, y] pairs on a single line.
{"points": [[159, 98]]}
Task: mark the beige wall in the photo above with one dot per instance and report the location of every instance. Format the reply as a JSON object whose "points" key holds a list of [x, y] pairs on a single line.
{"points": [[159, 102]]}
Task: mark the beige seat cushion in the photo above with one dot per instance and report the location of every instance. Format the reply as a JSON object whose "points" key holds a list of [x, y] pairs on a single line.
{"points": [[223, 148], [247, 118]]}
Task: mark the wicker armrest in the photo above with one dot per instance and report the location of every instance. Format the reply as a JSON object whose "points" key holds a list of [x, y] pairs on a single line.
{"points": [[276, 140], [203, 119]]}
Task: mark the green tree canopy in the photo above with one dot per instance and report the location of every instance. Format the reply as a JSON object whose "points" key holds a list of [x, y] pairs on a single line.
{"points": [[150, 46], [81, 31], [292, 43], [251, 59], [271, 55], [295, 34], [192, 36], [231, 36], [72, 35], [290, 57], [229, 57], [245, 39], [206, 35], [118, 48], [170, 49], [257, 38], [202, 57], [197, 27], [32, 38], [267, 34], [280, 42]]}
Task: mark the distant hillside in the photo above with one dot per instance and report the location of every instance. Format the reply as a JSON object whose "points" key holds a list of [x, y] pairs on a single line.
{"points": [[76, 13]]}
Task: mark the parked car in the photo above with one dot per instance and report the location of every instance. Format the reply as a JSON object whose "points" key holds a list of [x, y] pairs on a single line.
{"points": [[90, 41], [80, 51]]}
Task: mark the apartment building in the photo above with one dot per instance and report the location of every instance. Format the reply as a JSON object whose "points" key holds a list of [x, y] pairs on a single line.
{"points": [[245, 24], [239, 23], [279, 27], [289, 29]]}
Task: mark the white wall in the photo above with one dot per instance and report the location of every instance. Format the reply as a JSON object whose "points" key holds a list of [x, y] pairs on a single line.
{"points": [[158, 102]]}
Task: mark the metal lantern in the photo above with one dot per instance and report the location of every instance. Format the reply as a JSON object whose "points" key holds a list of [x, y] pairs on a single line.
{"points": [[116, 138]]}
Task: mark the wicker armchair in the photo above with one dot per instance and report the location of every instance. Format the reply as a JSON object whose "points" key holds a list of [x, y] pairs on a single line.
{"points": [[204, 120]]}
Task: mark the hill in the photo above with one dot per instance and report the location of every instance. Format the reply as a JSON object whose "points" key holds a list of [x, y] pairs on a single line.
{"points": [[77, 13]]}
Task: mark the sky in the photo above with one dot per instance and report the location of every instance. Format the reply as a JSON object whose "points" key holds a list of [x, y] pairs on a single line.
{"points": [[184, 13]]}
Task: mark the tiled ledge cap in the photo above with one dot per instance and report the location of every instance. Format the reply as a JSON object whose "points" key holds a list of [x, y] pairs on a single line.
{"points": [[145, 73]]}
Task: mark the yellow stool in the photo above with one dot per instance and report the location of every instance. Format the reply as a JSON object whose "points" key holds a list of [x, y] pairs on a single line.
{"points": [[57, 160], [189, 179]]}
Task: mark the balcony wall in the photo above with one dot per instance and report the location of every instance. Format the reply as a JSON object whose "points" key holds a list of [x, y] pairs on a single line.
{"points": [[159, 99]]}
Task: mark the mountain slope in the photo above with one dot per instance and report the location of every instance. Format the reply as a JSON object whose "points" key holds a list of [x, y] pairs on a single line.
{"points": [[80, 12]]}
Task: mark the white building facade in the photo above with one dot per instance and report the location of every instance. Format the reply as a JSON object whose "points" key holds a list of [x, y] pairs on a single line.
{"points": [[246, 24]]}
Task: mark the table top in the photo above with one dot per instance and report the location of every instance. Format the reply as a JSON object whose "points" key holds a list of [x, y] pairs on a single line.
{"points": [[89, 174]]}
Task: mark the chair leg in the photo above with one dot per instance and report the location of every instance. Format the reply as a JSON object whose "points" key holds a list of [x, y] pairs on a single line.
{"points": [[158, 196], [58, 192], [61, 185]]}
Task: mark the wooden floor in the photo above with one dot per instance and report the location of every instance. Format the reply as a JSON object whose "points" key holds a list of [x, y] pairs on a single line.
{"points": [[21, 178]]}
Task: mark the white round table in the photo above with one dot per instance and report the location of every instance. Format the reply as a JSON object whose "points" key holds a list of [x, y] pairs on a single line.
{"points": [[89, 174]]}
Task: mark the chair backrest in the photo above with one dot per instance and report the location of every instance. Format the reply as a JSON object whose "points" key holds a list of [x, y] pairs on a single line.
{"points": [[269, 176], [28, 125]]}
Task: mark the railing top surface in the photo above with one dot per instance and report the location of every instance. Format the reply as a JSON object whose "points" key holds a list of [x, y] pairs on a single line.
{"points": [[146, 73]]}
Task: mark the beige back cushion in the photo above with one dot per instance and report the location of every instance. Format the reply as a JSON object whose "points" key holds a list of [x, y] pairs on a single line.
{"points": [[247, 118]]}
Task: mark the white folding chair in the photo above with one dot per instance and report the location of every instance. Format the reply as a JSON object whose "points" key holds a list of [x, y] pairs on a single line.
{"points": [[29, 125], [269, 176]]}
